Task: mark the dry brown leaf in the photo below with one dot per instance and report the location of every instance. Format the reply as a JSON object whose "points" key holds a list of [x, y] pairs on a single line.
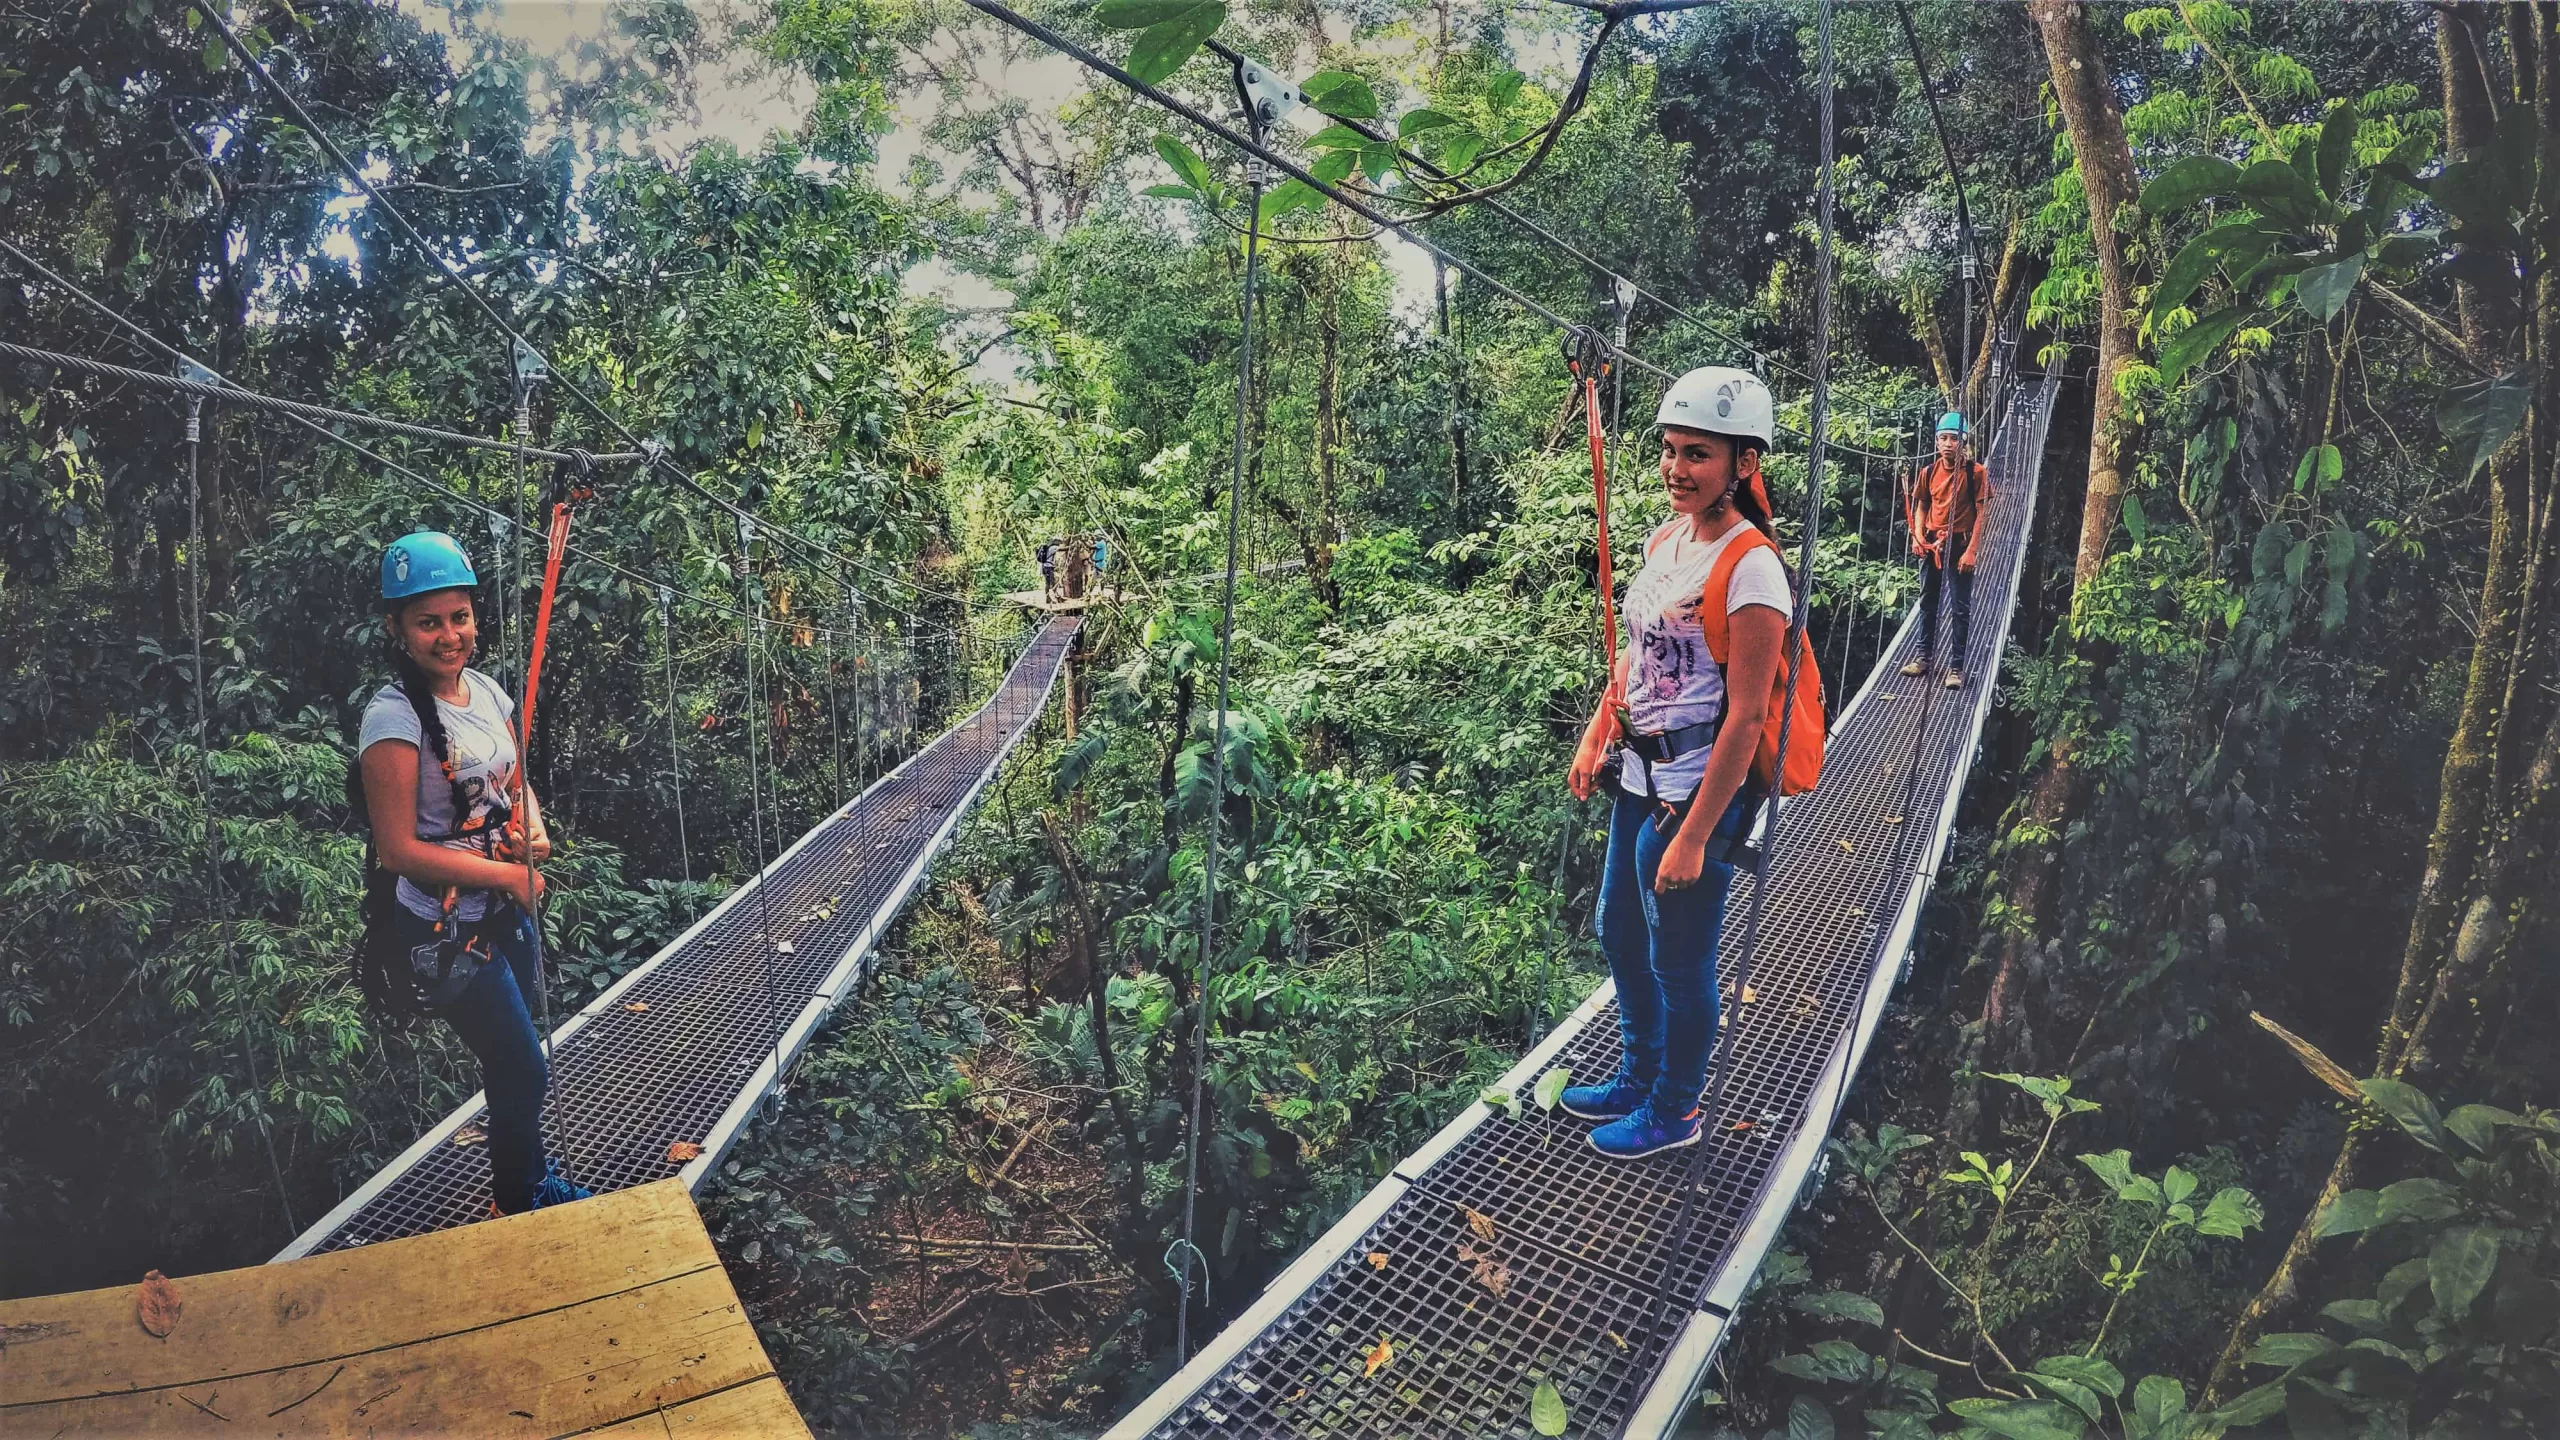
{"points": [[1490, 1273], [1749, 994], [638, 1007], [1379, 1358], [683, 1150], [1378, 1258], [1480, 1223], [1893, 819], [469, 1135], [1846, 848], [1617, 1339], [157, 1304]]}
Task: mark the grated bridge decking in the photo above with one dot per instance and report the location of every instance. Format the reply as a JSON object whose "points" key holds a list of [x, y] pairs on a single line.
{"points": [[682, 1048], [1582, 1236]]}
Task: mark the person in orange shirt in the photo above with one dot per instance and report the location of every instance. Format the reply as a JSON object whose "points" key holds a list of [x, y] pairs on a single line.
{"points": [[1944, 506]]}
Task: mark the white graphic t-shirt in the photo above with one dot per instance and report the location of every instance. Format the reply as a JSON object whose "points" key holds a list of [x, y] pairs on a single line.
{"points": [[482, 750], [1671, 680]]}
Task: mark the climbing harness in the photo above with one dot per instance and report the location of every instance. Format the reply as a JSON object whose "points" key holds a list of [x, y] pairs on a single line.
{"points": [[1264, 98]]}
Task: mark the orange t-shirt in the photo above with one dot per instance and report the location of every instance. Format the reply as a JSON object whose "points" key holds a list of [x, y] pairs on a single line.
{"points": [[1946, 501]]}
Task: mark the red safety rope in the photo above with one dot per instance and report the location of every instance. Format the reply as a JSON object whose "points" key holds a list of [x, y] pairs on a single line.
{"points": [[1588, 360]]}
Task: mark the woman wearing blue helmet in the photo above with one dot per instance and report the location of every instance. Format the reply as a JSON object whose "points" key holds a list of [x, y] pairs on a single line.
{"points": [[441, 791]]}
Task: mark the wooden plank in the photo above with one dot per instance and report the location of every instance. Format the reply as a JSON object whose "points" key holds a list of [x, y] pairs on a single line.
{"points": [[346, 1303], [553, 1373], [758, 1408]]}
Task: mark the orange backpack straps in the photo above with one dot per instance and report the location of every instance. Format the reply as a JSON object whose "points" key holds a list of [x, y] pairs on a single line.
{"points": [[1800, 693]]}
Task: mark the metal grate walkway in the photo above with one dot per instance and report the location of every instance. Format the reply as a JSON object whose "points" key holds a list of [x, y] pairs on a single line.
{"points": [[683, 1048], [1582, 1236]]}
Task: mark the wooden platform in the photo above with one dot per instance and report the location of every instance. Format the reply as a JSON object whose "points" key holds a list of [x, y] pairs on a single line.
{"points": [[608, 1317]]}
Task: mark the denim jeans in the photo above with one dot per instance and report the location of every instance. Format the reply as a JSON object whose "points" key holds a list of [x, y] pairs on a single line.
{"points": [[491, 1018], [1662, 953], [1942, 578]]}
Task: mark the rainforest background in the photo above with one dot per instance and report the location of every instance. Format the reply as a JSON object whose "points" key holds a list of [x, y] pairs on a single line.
{"points": [[2214, 1101]]}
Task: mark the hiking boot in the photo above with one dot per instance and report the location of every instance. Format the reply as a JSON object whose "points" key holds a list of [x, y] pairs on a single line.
{"points": [[1640, 1134], [558, 1189], [1916, 667], [1614, 1099], [1955, 679]]}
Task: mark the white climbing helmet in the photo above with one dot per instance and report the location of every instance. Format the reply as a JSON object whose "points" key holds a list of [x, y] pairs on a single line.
{"points": [[1721, 400]]}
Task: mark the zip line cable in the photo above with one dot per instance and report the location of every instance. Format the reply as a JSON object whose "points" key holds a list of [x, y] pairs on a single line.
{"points": [[374, 196], [1711, 1121], [212, 825], [1255, 177]]}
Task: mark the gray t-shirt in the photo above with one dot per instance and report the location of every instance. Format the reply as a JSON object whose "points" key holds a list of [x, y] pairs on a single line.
{"points": [[482, 751]]}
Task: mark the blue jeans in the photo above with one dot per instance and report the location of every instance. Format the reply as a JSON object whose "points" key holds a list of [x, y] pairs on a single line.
{"points": [[491, 1018], [1943, 580], [1662, 953]]}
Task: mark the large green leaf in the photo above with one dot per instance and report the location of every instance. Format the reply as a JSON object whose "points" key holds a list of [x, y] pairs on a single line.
{"points": [[2409, 1105], [2460, 1265], [1161, 49], [1185, 162], [2231, 242], [2337, 145], [2070, 1392], [2197, 177], [1414, 122], [2200, 339], [2477, 1125], [2280, 190], [1141, 14], [1546, 1410], [2251, 1406], [2420, 1198], [2477, 418], [1341, 94], [2290, 1348], [1840, 1305], [1808, 1419], [2232, 1213], [2323, 289], [2023, 1419], [2157, 1401]]}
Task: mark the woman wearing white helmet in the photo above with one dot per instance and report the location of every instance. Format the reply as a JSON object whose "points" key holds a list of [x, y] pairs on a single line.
{"points": [[1689, 727]]}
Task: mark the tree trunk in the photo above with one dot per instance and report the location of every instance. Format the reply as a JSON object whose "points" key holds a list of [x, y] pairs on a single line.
{"points": [[2488, 849], [1088, 949], [2004, 289], [2086, 95]]}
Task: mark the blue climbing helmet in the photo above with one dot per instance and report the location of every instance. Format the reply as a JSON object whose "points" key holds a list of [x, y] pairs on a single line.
{"points": [[422, 562], [1952, 423]]}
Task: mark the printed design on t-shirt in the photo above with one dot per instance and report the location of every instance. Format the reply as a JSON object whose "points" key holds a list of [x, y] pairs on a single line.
{"points": [[485, 789], [1669, 649]]}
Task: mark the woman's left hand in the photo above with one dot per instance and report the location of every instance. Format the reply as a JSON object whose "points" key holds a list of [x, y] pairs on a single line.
{"points": [[1683, 861]]}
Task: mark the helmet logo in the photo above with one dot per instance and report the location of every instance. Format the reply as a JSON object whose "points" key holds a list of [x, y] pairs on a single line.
{"points": [[400, 566], [1724, 400]]}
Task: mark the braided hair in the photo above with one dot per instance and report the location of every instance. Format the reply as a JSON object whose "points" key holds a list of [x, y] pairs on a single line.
{"points": [[420, 692]]}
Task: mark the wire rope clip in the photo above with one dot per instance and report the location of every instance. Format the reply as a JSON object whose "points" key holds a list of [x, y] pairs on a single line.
{"points": [[1265, 96], [196, 374]]}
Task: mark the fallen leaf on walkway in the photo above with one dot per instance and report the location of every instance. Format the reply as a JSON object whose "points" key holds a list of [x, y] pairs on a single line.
{"points": [[1617, 1339], [1378, 1258], [469, 1135], [157, 1304], [1379, 1358], [1749, 994], [1480, 1223], [638, 1007], [1893, 819], [1846, 848], [784, 946], [1737, 1127], [1489, 1271], [683, 1150]]}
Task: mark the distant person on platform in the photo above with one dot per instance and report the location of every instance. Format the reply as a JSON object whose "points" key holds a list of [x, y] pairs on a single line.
{"points": [[1101, 558], [1945, 506], [1048, 556]]}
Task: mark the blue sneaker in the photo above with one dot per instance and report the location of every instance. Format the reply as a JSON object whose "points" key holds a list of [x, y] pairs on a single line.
{"points": [[1640, 1134], [558, 1189], [1613, 1100]]}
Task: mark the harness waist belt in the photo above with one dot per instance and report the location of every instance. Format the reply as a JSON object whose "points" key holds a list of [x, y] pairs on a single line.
{"points": [[1665, 746]]}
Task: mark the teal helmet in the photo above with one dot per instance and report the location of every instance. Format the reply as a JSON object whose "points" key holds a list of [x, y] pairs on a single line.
{"points": [[423, 562], [1952, 423]]}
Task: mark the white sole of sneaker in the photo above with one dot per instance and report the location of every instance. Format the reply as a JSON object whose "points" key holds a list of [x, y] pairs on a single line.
{"points": [[1603, 1116], [1682, 1144]]}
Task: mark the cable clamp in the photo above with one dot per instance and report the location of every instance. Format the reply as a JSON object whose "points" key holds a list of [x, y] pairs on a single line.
{"points": [[1257, 171]]}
